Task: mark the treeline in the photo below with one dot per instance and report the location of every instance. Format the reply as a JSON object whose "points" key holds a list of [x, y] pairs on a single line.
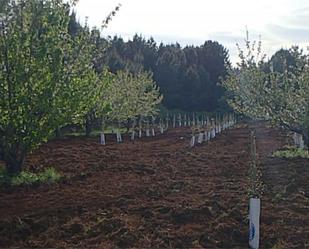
{"points": [[189, 78]]}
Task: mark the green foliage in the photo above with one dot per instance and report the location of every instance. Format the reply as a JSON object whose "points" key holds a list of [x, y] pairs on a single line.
{"points": [[48, 176], [131, 96], [188, 77], [292, 153], [47, 76], [282, 98]]}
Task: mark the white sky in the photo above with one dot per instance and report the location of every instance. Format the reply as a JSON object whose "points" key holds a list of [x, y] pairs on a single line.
{"points": [[280, 23]]}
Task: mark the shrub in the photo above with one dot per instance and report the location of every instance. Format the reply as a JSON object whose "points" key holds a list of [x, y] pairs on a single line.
{"points": [[292, 152], [49, 175]]}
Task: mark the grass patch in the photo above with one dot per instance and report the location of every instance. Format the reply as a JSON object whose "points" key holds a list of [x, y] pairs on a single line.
{"points": [[48, 176], [292, 152]]}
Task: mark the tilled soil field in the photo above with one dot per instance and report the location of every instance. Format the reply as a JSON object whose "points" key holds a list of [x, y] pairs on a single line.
{"points": [[158, 193]]}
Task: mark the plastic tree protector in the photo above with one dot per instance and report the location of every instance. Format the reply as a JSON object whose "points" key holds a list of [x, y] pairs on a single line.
{"points": [[102, 138], [254, 222]]}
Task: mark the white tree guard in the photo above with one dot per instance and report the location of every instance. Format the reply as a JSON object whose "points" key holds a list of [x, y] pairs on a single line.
{"points": [[213, 133], [200, 138], [102, 138], [254, 222], [301, 142], [179, 120], [217, 129], [192, 142], [298, 140], [118, 136], [209, 135], [140, 133]]}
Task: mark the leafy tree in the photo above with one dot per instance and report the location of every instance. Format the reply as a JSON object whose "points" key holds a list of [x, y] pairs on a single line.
{"points": [[98, 47], [281, 97], [131, 96], [46, 77]]}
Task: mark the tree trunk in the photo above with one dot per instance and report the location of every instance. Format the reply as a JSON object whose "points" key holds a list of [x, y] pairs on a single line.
{"points": [[304, 132], [58, 132], [88, 125], [14, 167], [14, 161], [128, 125], [102, 124], [306, 138]]}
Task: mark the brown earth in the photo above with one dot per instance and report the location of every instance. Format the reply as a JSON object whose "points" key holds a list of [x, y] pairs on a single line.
{"points": [[158, 193]]}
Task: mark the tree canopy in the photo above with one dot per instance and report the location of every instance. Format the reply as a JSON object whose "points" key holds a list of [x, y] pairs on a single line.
{"points": [[279, 93], [47, 78], [132, 96]]}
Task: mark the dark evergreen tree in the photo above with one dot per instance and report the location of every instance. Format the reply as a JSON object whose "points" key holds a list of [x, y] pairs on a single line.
{"points": [[189, 77]]}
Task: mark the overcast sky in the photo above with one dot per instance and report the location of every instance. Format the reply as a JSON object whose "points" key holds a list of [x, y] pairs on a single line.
{"points": [[280, 23]]}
